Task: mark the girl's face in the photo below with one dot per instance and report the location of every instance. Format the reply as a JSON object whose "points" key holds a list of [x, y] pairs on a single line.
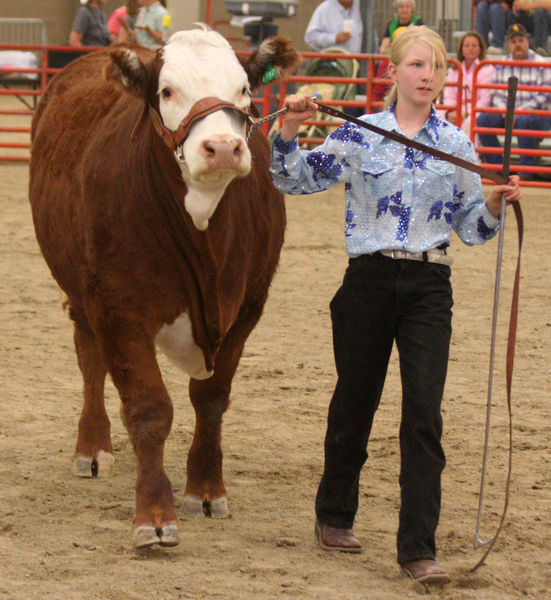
{"points": [[404, 12], [418, 81], [471, 48]]}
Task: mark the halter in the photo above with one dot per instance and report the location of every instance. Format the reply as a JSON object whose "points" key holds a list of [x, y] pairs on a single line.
{"points": [[175, 139]]}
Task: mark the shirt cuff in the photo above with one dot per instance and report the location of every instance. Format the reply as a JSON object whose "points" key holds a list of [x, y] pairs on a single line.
{"points": [[282, 146], [491, 221]]}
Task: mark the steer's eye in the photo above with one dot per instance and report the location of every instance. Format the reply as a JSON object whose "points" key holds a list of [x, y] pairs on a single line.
{"points": [[245, 91], [166, 92]]}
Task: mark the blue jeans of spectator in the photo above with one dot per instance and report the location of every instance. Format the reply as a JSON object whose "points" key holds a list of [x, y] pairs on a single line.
{"points": [[525, 142], [490, 16], [382, 301], [542, 27]]}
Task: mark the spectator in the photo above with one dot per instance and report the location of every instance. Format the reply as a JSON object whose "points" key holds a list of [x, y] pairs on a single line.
{"points": [[90, 25], [493, 16], [338, 23], [152, 23], [327, 26], [121, 22], [471, 49], [519, 49], [541, 21], [404, 10]]}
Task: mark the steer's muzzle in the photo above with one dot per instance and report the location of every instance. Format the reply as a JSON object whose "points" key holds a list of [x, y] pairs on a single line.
{"points": [[222, 151]]}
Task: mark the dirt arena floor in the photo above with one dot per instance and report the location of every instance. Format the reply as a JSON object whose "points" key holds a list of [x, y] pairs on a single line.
{"points": [[65, 538]]}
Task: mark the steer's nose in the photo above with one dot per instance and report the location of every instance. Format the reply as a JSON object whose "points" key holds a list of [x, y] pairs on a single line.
{"points": [[223, 151]]}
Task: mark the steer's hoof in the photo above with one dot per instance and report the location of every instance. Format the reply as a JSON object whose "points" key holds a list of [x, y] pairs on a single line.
{"points": [[144, 536], [193, 506], [219, 508], [86, 466], [197, 507], [169, 534]]}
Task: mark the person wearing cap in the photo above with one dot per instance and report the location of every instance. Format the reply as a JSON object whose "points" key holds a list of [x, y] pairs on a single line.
{"points": [[528, 100], [90, 25], [152, 24], [540, 11]]}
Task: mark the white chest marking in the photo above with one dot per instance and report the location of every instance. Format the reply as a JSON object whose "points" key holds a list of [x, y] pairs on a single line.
{"points": [[177, 343]]}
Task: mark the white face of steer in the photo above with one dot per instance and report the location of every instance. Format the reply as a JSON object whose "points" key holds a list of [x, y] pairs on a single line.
{"points": [[198, 64]]}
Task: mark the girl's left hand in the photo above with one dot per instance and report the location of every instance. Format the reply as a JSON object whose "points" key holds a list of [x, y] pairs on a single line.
{"points": [[512, 194]]}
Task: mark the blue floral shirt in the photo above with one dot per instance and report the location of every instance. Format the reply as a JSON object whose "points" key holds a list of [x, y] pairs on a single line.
{"points": [[396, 197]]}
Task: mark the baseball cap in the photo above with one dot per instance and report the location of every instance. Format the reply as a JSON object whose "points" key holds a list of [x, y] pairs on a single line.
{"points": [[516, 29]]}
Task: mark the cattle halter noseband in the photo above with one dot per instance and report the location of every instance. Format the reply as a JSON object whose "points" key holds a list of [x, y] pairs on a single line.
{"points": [[202, 108]]}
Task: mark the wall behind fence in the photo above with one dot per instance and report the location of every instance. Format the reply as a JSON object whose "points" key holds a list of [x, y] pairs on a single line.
{"points": [[442, 15], [59, 14]]}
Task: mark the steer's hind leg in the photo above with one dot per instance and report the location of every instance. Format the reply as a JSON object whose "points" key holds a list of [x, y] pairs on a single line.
{"points": [[205, 490], [147, 411], [93, 452]]}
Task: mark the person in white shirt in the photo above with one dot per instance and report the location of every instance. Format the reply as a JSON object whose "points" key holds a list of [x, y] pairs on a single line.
{"points": [[326, 27]]}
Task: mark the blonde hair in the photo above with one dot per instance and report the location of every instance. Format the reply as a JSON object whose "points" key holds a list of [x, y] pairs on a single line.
{"points": [[401, 45]]}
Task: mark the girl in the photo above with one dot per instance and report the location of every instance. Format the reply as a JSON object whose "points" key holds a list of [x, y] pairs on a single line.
{"points": [[401, 208]]}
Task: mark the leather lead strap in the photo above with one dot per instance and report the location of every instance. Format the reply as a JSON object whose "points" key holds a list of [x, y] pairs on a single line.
{"points": [[402, 139]]}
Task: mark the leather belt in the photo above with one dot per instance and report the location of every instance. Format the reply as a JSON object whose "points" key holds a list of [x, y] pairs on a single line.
{"points": [[435, 255]]}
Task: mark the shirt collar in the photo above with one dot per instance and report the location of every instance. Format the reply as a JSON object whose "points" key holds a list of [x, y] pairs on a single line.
{"points": [[388, 121], [530, 56], [342, 10], [475, 62]]}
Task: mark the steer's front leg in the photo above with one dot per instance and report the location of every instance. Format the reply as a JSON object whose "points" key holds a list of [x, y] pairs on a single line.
{"points": [[147, 412], [205, 490]]}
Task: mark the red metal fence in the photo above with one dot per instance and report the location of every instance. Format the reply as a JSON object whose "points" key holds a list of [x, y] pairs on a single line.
{"points": [[27, 85], [272, 98]]}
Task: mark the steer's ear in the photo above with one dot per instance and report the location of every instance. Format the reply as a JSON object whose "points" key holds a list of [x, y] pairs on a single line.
{"points": [[128, 70], [274, 60]]}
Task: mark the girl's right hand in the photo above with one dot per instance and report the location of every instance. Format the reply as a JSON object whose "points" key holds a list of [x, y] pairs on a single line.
{"points": [[301, 108]]}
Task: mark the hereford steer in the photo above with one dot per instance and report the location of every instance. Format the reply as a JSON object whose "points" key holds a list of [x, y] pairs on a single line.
{"points": [[161, 225]]}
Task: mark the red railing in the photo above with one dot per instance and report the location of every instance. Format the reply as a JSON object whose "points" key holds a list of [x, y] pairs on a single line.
{"points": [[28, 91], [272, 98]]}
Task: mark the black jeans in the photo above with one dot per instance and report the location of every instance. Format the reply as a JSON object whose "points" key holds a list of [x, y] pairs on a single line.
{"points": [[383, 300]]}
